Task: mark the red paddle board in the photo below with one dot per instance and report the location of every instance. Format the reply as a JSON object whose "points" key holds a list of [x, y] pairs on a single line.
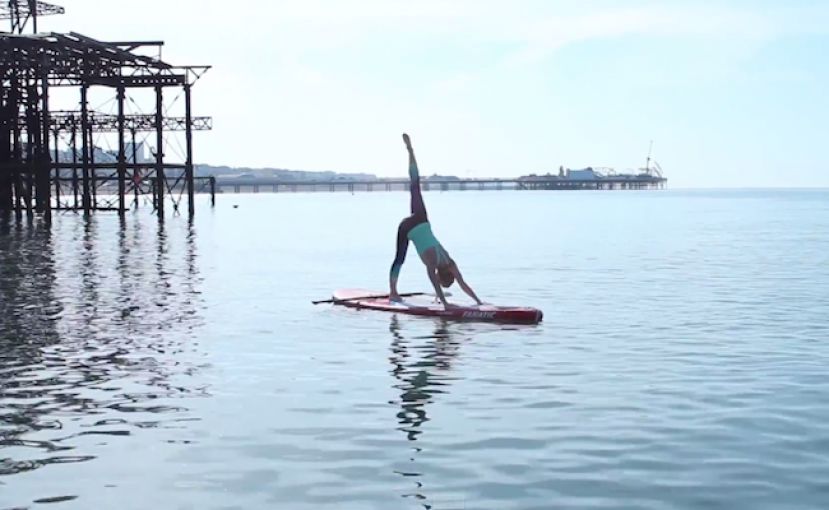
{"points": [[426, 306]]}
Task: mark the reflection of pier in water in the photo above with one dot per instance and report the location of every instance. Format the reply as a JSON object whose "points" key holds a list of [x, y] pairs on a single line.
{"points": [[93, 340], [422, 367]]}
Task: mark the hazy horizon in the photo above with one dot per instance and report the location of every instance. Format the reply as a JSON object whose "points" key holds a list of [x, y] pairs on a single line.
{"points": [[732, 93]]}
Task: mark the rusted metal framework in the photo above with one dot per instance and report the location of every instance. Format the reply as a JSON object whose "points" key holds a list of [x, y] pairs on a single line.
{"points": [[20, 12], [33, 178]]}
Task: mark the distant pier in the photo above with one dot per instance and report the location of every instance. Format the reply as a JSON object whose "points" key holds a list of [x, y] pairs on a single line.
{"points": [[648, 178], [271, 185]]}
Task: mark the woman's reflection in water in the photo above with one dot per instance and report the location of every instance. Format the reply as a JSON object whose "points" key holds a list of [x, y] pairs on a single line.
{"points": [[422, 367]]}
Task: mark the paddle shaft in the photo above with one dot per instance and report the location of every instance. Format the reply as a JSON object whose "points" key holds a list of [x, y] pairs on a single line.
{"points": [[376, 296]]}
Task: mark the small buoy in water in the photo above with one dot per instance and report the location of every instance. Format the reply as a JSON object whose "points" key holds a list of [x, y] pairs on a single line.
{"points": [[235, 206]]}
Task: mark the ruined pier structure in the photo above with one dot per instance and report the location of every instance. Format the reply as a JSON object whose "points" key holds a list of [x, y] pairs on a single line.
{"points": [[53, 159]]}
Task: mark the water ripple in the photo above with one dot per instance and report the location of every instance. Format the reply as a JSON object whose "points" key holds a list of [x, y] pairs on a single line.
{"points": [[681, 364]]}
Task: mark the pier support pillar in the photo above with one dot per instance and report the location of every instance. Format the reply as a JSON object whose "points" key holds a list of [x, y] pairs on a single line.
{"points": [[122, 157], [6, 202], [188, 165], [56, 162], [86, 198], [160, 179], [75, 183], [136, 173]]}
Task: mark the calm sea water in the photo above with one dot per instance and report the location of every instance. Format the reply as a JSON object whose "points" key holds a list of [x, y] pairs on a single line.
{"points": [[682, 364]]}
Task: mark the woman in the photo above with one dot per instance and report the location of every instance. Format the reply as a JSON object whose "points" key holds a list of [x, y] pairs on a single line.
{"points": [[440, 267]]}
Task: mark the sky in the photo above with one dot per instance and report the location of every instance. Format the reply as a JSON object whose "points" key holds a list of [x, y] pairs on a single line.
{"points": [[731, 93]]}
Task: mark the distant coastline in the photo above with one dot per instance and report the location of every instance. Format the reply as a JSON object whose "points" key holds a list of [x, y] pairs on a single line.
{"points": [[282, 174], [255, 180], [242, 174]]}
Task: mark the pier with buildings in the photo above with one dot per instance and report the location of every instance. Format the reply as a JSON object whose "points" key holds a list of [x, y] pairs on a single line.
{"points": [[647, 178]]}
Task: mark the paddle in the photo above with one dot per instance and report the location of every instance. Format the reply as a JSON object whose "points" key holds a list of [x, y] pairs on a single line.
{"points": [[376, 296]]}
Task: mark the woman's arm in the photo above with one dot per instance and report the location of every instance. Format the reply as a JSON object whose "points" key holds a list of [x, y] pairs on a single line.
{"points": [[463, 285], [433, 277]]}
